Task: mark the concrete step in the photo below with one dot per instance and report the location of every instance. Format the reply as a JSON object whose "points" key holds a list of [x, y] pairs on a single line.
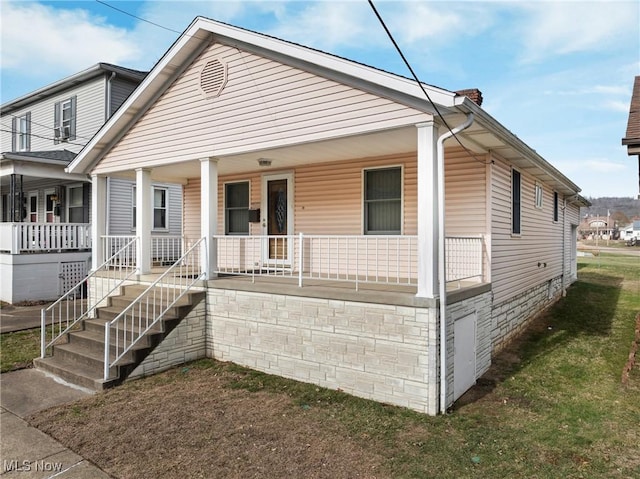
{"points": [[74, 373]]}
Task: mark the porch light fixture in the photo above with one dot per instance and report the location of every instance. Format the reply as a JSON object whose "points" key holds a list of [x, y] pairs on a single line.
{"points": [[264, 162]]}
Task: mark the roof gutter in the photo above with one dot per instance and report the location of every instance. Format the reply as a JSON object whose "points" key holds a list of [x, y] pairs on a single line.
{"points": [[442, 272]]}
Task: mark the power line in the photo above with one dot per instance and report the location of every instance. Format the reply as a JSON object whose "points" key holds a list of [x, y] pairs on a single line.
{"points": [[9, 130], [415, 77], [45, 126], [139, 18]]}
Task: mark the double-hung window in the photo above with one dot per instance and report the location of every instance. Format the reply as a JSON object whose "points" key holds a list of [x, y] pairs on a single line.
{"points": [[21, 133], [538, 196], [383, 201], [236, 208], [516, 202], [75, 204], [64, 119], [160, 208]]}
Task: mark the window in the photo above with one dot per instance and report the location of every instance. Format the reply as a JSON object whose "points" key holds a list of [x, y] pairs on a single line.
{"points": [[32, 207], [21, 132], [75, 204], [160, 208], [516, 193], [383, 201], [50, 200], [538, 196], [64, 119], [236, 208], [555, 206]]}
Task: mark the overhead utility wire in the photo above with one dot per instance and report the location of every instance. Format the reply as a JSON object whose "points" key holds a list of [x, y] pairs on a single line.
{"points": [[415, 77], [9, 130], [139, 18], [45, 126]]}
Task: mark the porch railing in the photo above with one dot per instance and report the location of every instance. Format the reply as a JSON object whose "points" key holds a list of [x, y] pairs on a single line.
{"points": [[165, 250], [60, 317], [357, 259], [17, 238], [150, 306]]}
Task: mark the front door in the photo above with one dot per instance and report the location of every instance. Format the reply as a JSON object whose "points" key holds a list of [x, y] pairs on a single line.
{"points": [[277, 219]]}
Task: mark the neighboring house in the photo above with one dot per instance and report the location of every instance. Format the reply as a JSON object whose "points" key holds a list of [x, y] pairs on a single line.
{"points": [[326, 243], [632, 136], [45, 238], [592, 226], [632, 230]]}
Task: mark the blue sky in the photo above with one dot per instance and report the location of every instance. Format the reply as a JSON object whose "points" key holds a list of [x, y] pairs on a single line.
{"points": [[556, 73]]}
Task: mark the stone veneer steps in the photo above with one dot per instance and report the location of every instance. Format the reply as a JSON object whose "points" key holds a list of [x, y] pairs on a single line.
{"points": [[80, 359]]}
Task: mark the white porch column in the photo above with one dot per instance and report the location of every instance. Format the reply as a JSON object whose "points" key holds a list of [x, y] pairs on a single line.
{"points": [[427, 210], [144, 220], [98, 219], [209, 215]]}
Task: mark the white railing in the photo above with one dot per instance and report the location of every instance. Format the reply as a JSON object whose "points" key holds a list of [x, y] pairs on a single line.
{"points": [[358, 259], [150, 306], [165, 250], [17, 238], [60, 317], [464, 258]]}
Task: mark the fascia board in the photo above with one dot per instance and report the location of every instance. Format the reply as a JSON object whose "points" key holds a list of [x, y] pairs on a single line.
{"points": [[511, 140]]}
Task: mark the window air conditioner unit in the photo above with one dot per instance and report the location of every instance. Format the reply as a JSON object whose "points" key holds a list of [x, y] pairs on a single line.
{"points": [[64, 132]]}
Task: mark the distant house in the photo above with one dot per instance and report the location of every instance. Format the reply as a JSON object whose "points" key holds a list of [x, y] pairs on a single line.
{"points": [[592, 226], [632, 137], [45, 233], [632, 230], [341, 235]]}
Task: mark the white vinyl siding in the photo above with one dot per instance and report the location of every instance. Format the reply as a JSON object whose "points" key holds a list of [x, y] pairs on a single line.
{"points": [[121, 207], [90, 107], [515, 259], [264, 104]]}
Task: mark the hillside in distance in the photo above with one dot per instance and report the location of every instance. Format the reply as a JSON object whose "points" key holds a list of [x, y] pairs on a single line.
{"points": [[629, 207]]}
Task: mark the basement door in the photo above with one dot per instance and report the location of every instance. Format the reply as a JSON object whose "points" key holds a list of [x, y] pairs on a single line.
{"points": [[464, 350], [277, 219]]}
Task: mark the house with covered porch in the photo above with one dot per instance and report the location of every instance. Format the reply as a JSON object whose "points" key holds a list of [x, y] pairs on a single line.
{"points": [[335, 229]]}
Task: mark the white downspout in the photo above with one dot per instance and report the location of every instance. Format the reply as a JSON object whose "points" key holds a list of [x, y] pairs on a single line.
{"points": [[442, 278]]}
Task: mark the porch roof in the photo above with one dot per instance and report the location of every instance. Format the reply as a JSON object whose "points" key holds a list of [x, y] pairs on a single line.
{"points": [[486, 134], [39, 164]]}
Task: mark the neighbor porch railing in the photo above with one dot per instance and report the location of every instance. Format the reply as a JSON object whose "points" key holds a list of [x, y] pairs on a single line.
{"points": [[60, 317], [17, 238], [358, 259], [150, 306]]}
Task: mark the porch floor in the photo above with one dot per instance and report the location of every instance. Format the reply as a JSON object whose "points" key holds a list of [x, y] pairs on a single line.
{"points": [[380, 293]]}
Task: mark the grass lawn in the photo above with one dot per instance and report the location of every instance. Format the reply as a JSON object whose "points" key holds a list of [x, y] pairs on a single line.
{"points": [[18, 349], [552, 406]]}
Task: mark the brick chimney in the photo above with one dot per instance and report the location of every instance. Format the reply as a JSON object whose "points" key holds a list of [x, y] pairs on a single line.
{"points": [[473, 94]]}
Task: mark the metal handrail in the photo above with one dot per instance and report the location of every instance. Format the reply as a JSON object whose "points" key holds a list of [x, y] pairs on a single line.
{"points": [[71, 302], [146, 303]]}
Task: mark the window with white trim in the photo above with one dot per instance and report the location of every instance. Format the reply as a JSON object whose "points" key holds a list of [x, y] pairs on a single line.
{"points": [[75, 204], [21, 132], [538, 195], [33, 207], [160, 208], [383, 201], [236, 208], [64, 120], [516, 202]]}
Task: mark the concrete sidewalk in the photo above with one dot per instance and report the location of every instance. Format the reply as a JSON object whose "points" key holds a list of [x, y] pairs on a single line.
{"points": [[18, 318], [26, 451]]}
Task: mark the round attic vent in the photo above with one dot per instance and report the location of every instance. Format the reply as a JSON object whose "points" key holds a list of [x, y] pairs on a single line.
{"points": [[213, 78]]}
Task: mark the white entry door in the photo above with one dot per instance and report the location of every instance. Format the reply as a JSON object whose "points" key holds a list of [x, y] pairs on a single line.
{"points": [[464, 363], [277, 219]]}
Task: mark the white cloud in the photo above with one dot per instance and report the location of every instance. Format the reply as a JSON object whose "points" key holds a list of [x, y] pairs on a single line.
{"points": [[39, 39], [616, 105], [559, 28], [604, 166]]}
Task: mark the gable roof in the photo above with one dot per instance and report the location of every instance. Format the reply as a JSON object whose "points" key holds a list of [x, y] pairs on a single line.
{"points": [[70, 81], [203, 32]]}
